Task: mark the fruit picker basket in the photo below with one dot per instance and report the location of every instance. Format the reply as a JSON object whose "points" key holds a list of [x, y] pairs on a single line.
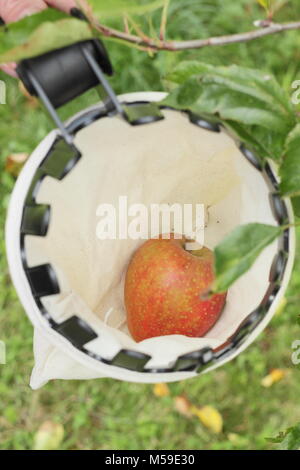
{"points": [[71, 283]]}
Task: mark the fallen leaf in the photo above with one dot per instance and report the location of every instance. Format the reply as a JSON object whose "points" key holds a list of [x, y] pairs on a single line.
{"points": [[233, 437], [14, 163], [209, 417], [183, 406], [49, 436], [237, 440], [274, 376], [161, 390]]}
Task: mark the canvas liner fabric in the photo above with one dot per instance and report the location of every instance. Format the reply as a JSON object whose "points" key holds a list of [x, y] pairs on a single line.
{"points": [[170, 161]]}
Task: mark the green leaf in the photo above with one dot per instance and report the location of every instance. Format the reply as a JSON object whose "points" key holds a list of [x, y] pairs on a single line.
{"points": [[288, 440], [266, 4], [238, 251], [47, 37], [245, 82], [290, 168], [51, 29], [263, 3], [271, 6], [187, 69], [260, 128], [250, 103], [265, 144], [105, 8], [203, 96], [296, 205], [252, 82], [17, 33]]}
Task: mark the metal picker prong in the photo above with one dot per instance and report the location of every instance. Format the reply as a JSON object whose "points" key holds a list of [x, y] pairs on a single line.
{"points": [[111, 96], [50, 108]]}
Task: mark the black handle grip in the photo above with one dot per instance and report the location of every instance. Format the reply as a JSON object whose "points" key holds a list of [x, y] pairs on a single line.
{"points": [[65, 73], [59, 76]]}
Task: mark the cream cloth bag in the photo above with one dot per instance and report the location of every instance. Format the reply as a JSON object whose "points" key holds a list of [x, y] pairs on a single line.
{"points": [[169, 161]]}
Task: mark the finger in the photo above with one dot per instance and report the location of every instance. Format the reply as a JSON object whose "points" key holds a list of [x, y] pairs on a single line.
{"points": [[63, 5], [9, 69], [73, 7], [14, 10]]}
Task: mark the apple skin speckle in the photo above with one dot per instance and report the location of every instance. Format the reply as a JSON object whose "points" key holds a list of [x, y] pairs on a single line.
{"points": [[163, 287]]}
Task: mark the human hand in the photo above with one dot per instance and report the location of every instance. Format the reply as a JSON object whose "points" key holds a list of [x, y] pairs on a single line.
{"points": [[14, 10]]}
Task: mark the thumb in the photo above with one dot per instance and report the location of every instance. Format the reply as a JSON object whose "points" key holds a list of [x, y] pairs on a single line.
{"points": [[14, 10], [63, 5]]}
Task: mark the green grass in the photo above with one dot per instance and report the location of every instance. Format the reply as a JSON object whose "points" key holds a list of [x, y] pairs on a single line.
{"points": [[107, 414]]}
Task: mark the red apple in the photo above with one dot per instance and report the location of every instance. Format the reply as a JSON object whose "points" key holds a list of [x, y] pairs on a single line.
{"points": [[163, 288]]}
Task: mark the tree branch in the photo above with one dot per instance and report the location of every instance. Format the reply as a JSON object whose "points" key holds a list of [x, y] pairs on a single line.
{"points": [[265, 28]]}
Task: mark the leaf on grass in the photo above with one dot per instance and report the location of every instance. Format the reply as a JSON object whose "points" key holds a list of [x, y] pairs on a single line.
{"points": [[49, 436], [209, 417], [275, 375], [15, 162], [238, 251], [290, 168], [288, 440], [47, 37], [161, 390], [183, 406], [233, 437]]}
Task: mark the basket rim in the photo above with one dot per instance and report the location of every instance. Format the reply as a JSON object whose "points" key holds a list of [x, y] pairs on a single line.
{"points": [[130, 360]]}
